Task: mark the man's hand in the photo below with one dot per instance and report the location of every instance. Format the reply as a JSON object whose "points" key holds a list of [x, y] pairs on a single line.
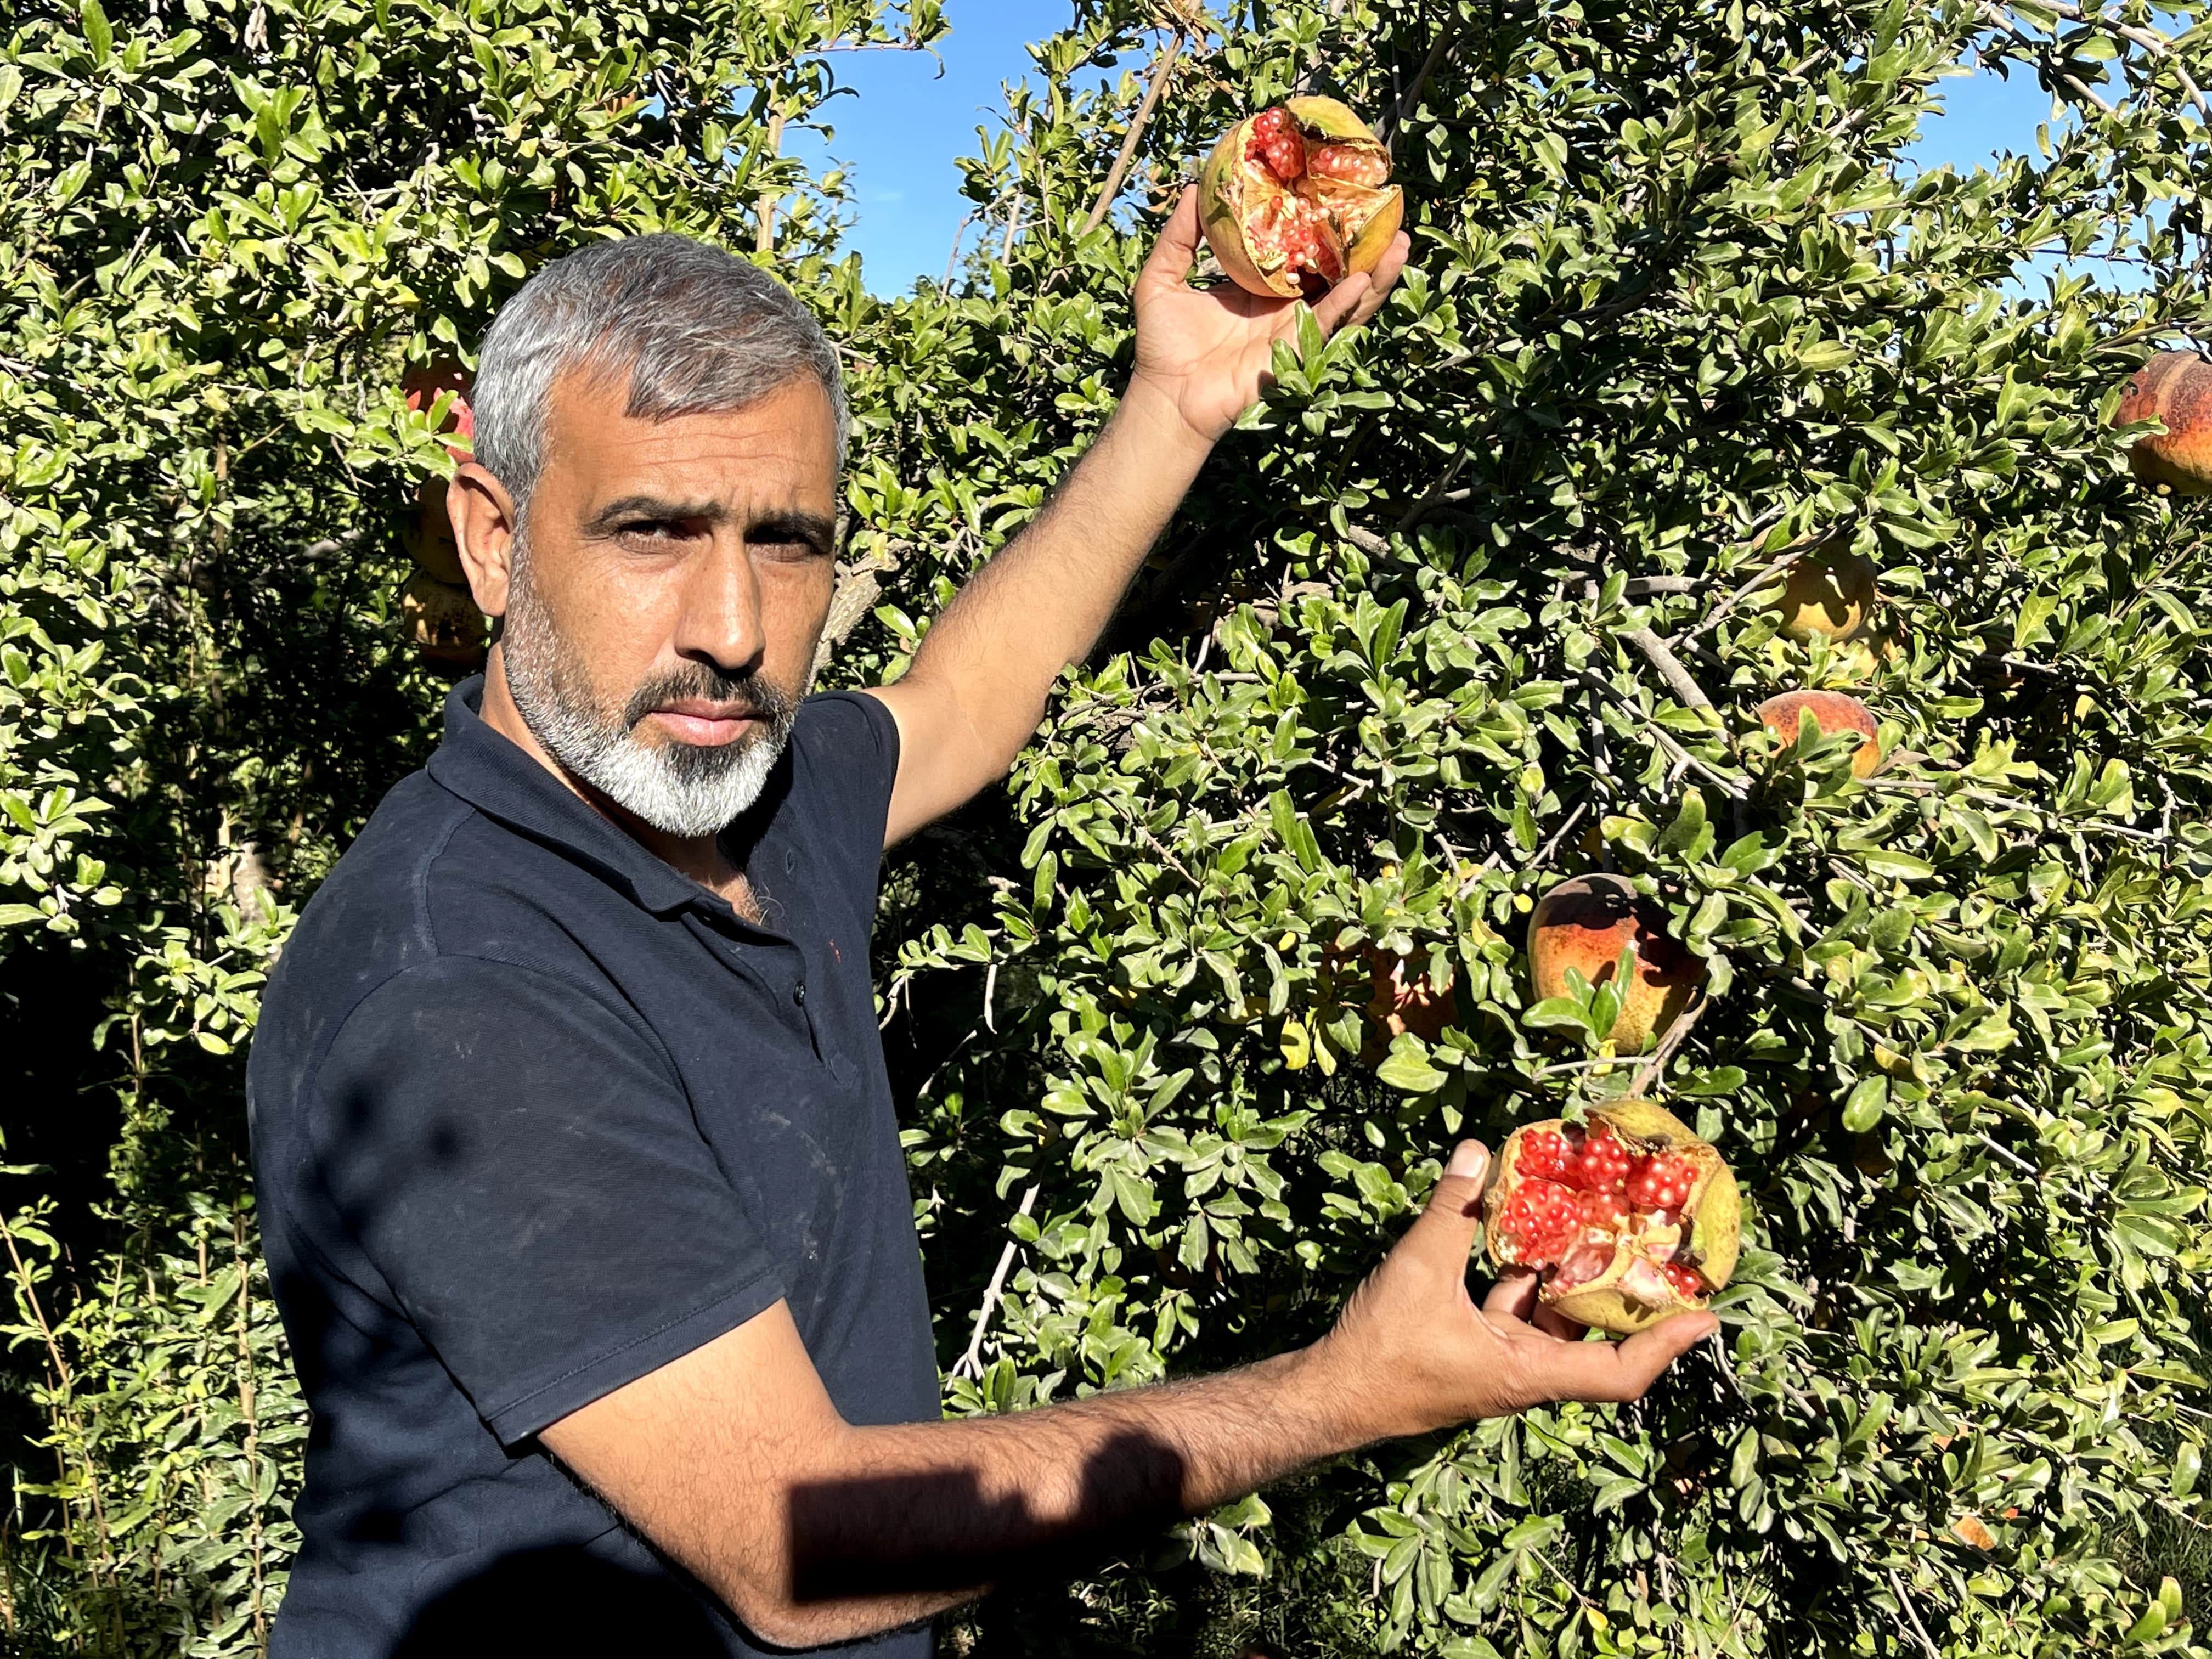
{"points": [[1204, 352], [977, 686], [734, 1460], [1414, 1353]]}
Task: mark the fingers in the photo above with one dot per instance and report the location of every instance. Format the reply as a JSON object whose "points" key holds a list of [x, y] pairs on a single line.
{"points": [[1173, 255], [1553, 1322], [1336, 308], [1356, 299], [1446, 1231], [1384, 278], [1620, 1371], [1513, 1296]]}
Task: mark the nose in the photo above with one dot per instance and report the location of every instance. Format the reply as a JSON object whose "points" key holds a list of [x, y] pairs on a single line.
{"points": [[720, 623]]}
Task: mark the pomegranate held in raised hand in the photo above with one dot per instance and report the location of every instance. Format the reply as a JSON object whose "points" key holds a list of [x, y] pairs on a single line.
{"points": [[1623, 1257], [1294, 199]]}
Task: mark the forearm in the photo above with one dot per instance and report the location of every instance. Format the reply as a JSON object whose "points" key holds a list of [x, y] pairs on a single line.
{"points": [[908, 1520], [1044, 599]]}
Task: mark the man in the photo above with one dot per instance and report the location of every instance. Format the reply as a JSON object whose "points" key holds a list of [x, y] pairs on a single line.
{"points": [[580, 1177]]}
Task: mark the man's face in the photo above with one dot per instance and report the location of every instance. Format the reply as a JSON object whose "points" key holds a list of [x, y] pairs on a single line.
{"points": [[661, 619]]}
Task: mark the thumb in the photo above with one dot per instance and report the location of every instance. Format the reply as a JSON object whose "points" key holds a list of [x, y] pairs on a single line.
{"points": [[1176, 250], [1453, 1217]]}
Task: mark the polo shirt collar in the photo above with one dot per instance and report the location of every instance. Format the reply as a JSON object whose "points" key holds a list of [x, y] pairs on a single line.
{"points": [[496, 776]]}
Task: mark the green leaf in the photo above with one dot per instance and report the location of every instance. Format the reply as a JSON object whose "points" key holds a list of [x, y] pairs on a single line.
{"points": [[1555, 1011], [1407, 1068], [99, 32], [1868, 1099]]}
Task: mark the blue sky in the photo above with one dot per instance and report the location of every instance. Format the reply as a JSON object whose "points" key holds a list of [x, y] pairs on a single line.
{"points": [[899, 135]]}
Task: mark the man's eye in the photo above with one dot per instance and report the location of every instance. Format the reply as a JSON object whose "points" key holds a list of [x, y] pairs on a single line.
{"points": [[650, 529]]}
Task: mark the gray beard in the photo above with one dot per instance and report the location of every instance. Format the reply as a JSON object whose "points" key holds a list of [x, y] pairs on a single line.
{"points": [[679, 788]]}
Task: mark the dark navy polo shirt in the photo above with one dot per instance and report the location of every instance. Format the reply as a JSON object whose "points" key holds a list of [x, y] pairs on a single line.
{"points": [[534, 1115]]}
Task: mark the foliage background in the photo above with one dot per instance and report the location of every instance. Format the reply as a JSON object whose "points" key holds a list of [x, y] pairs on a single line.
{"points": [[1678, 314]]}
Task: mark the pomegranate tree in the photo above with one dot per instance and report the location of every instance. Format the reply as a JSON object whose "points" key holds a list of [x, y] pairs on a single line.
{"points": [[1297, 199], [1629, 1217]]}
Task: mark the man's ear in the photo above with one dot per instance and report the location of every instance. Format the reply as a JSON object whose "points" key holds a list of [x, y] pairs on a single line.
{"points": [[482, 515]]}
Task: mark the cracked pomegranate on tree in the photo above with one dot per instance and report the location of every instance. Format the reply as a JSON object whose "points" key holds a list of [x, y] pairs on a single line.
{"points": [[1297, 199], [1627, 1219]]}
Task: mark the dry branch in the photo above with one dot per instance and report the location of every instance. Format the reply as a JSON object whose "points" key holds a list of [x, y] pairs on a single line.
{"points": [[970, 1363], [1158, 85]]}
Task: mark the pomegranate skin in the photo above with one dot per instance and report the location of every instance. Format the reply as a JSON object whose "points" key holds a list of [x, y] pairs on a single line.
{"points": [[1832, 712], [1288, 237], [1583, 924], [1659, 1262], [2176, 387]]}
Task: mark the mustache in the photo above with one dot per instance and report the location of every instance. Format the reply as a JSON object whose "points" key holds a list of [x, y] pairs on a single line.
{"points": [[751, 696]]}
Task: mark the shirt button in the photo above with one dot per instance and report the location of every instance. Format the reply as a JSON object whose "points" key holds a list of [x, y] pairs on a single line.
{"points": [[798, 994]]}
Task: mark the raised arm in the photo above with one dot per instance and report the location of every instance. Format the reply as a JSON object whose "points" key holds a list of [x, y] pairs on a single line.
{"points": [[977, 685], [733, 1460]]}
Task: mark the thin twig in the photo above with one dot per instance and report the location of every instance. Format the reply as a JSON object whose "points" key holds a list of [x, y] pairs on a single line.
{"points": [[1437, 491], [764, 229], [1727, 1368], [1659, 734], [952, 257], [971, 1363], [1158, 85], [1904, 1602], [1763, 578], [1649, 1073], [1544, 852]]}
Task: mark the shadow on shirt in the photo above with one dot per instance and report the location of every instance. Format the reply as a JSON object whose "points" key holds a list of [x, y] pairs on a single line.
{"points": [[555, 1603]]}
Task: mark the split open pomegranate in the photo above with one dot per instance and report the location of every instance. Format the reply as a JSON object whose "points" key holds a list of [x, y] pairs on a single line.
{"points": [[1296, 199], [1629, 1217]]}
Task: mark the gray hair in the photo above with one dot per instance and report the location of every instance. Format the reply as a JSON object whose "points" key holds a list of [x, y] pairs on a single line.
{"points": [[695, 330]]}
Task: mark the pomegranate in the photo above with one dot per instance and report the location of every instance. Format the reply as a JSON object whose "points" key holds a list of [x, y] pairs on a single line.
{"points": [[1296, 199], [1402, 999], [1829, 595], [424, 384], [427, 533], [429, 538], [1583, 924], [2177, 387], [1832, 712], [1628, 1218]]}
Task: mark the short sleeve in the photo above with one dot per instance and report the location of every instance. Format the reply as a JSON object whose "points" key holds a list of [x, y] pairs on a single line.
{"points": [[512, 1154], [847, 744]]}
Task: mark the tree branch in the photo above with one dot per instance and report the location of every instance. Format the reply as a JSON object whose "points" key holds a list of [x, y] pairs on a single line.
{"points": [[1120, 171], [1648, 1073], [970, 1363], [1686, 690]]}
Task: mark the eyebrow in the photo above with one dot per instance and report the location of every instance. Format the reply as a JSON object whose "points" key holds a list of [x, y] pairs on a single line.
{"points": [[779, 525]]}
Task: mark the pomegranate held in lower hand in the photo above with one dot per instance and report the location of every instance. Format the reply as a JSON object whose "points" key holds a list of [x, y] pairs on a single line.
{"points": [[1294, 199], [1628, 1218]]}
